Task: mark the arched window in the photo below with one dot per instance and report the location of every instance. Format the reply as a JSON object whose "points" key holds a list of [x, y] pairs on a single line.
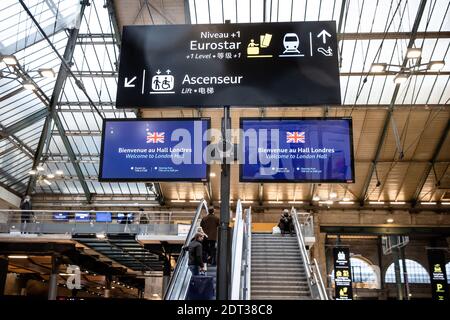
{"points": [[363, 273], [447, 270], [416, 273]]}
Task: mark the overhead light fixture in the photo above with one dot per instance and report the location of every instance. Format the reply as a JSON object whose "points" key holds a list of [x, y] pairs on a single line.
{"points": [[400, 78], [29, 85], [445, 203], [180, 201], [47, 182], [346, 199], [316, 198], [346, 202], [413, 53], [59, 172], [275, 202], [295, 202], [40, 168], [436, 65], [247, 201], [333, 195], [376, 202], [428, 203], [326, 202], [32, 172], [212, 174], [389, 220], [18, 257], [194, 200], [398, 202], [50, 176], [378, 67], [9, 60], [47, 73]]}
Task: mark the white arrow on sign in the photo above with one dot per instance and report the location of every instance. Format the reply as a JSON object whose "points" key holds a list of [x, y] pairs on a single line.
{"points": [[324, 34], [129, 84]]}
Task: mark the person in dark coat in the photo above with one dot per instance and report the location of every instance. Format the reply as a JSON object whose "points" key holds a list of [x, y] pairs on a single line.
{"points": [[195, 254], [210, 223], [286, 224], [25, 206]]}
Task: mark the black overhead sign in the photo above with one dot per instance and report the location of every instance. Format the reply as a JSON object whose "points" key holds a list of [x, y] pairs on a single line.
{"points": [[439, 287], [268, 64], [342, 274]]}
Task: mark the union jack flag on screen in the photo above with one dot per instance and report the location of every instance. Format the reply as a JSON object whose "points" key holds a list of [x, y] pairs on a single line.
{"points": [[155, 137], [295, 137]]}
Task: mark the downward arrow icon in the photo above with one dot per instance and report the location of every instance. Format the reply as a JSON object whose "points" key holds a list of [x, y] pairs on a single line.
{"points": [[129, 84], [324, 34]]}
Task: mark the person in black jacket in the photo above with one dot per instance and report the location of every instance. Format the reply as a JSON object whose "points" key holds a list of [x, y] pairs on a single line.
{"points": [[27, 215], [286, 224], [26, 206], [195, 254]]}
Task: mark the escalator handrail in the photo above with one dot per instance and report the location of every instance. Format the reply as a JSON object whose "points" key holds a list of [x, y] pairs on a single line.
{"points": [[182, 259], [248, 257], [237, 247], [312, 269]]}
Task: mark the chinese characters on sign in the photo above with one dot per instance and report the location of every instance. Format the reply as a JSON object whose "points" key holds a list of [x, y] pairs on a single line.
{"points": [[273, 64]]}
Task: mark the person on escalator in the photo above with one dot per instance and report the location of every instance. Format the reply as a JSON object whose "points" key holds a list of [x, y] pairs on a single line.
{"points": [[210, 223], [195, 248], [286, 224]]}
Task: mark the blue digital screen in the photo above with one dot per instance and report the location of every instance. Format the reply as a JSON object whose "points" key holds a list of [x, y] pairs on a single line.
{"points": [[60, 216], [123, 216], [297, 150], [154, 150], [103, 217], [82, 216]]}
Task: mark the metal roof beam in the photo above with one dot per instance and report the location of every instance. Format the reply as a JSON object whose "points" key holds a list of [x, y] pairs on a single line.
{"points": [[25, 122], [44, 140], [363, 194], [431, 163], [115, 25], [392, 35]]}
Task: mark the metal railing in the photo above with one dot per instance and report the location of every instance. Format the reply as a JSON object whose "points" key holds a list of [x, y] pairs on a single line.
{"points": [[239, 262], [179, 282], [313, 275], [247, 255], [78, 221]]}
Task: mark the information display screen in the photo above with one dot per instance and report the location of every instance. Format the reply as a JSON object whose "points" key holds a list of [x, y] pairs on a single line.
{"points": [[82, 216], [296, 150], [60, 216], [154, 150], [103, 217]]}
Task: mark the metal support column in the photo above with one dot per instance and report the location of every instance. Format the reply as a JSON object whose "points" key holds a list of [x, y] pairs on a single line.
{"points": [[108, 280], [405, 273], [3, 274], [166, 276], [223, 254], [398, 280], [53, 283]]}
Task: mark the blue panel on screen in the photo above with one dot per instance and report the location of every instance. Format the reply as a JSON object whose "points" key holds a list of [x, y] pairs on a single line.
{"points": [[297, 150], [82, 216], [103, 217], [154, 150], [60, 216]]}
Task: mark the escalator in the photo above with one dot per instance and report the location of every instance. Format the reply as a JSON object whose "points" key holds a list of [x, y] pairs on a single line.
{"points": [[280, 267]]}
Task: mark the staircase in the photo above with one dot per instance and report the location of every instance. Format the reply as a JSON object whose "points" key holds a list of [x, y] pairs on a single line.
{"points": [[277, 268]]}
